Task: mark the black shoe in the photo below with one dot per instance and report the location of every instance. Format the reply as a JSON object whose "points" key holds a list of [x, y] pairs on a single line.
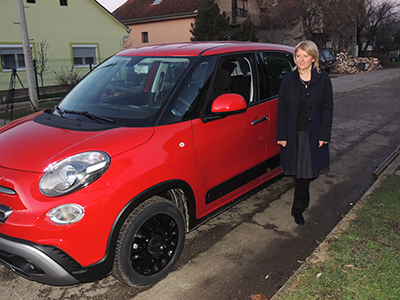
{"points": [[298, 218]]}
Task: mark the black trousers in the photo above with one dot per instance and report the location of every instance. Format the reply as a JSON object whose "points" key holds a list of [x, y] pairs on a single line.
{"points": [[301, 195]]}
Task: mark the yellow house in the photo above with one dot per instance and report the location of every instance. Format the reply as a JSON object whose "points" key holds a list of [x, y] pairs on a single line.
{"points": [[77, 35], [169, 21]]}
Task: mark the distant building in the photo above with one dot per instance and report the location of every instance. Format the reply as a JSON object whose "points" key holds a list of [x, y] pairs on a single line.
{"points": [[79, 34], [169, 21]]}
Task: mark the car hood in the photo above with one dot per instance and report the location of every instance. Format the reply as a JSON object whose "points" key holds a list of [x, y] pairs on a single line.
{"points": [[30, 146]]}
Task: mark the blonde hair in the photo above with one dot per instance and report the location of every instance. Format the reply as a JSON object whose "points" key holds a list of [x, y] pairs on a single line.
{"points": [[311, 49]]}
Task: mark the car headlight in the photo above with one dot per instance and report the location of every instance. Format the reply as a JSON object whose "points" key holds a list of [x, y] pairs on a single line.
{"points": [[73, 173], [66, 214]]}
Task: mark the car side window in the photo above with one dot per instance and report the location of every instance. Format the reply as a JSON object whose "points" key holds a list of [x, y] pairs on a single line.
{"points": [[189, 98], [276, 65], [235, 75]]}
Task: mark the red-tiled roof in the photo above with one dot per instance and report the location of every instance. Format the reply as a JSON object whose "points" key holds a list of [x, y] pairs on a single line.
{"points": [[141, 9]]}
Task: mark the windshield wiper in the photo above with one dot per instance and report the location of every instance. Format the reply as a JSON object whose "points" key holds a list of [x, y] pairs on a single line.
{"points": [[60, 111], [109, 65], [88, 115]]}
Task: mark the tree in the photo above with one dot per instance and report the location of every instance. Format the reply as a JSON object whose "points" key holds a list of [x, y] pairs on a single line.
{"points": [[312, 20], [295, 19], [210, 24], [387, 36], [246, 31], [341, 24], [370, 16], [367, 24], [41, 62], [396, 38]]}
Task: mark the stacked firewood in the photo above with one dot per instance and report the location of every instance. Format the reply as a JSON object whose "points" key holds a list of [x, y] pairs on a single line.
{"points": [[346, 64]]}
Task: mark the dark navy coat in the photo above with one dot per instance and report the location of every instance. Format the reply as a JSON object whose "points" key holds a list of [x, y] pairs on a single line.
{"points": [[319, 114]]}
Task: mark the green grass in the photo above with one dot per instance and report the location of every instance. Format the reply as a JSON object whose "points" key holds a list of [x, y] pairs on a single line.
{"points": [[364, 261], [23, 98], [393, 63], [22, 112]]}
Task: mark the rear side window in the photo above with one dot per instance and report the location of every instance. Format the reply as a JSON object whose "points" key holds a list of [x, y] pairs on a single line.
{"points": [[276, 65]]}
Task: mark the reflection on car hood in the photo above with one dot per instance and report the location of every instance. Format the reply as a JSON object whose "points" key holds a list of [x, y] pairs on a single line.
{"points": [[29, 146]]}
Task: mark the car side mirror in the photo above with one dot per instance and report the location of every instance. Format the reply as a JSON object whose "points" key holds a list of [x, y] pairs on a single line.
{"points": [[228, 104]]}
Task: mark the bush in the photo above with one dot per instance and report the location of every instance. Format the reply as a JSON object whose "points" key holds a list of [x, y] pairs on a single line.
{"points": [[67, 78]]}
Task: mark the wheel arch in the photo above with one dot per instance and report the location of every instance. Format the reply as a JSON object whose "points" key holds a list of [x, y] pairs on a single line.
{"points": [[177, 191]]}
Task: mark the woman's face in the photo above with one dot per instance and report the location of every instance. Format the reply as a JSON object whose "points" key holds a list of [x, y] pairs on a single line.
{"points": [[303, 60]]}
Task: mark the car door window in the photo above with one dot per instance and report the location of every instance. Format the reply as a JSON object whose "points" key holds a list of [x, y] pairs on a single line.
{"points": [[235, 75], [276, 65], [190, 95], [190, 89]]}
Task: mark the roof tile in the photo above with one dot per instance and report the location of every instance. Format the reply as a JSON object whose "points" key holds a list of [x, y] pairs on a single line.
{"points": [[139, 9]]}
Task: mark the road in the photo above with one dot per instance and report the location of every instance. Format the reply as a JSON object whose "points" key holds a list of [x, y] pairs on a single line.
{"points": [[255, 247]]}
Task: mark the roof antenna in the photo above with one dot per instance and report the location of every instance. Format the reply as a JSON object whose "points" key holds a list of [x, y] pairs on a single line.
{"points": [[251, 32]]}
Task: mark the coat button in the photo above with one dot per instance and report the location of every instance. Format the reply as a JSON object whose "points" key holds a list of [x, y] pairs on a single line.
{"points": [[310, 132], [309, 106], [308, 94], [309, 120]]}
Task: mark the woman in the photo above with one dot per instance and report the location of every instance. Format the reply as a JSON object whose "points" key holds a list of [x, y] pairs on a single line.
{"points": [[305, 108]]}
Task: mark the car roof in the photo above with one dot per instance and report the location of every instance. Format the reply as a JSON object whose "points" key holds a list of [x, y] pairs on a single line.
{"points": [[202, 48]]}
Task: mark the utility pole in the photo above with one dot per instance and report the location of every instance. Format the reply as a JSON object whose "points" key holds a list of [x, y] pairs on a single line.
{"points": [[27, 55]]}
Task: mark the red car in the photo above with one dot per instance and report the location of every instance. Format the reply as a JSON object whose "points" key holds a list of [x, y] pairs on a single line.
{"points": [[149, 145]]}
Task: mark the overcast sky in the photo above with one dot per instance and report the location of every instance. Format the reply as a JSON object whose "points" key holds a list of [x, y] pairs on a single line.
{"points": [[111, 5]]}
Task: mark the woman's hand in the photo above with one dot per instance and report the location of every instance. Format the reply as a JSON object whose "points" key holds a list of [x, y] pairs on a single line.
{"points": [[321, 143], [282, 143]]}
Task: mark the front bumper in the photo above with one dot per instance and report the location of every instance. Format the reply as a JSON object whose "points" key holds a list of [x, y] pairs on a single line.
{"points": [[56, 255], [32, 262]]}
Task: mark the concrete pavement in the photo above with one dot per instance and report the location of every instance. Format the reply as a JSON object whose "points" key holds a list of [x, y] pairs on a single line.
{"points": [[341, 83], [392, 169]]}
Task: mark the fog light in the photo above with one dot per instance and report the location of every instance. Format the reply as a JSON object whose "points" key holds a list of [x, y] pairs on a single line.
{"points": [[66, 214]]}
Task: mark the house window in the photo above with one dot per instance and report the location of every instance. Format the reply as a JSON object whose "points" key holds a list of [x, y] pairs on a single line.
{"points": [[239, 9], [30, 1], [84, 55], [63, 2], [12, 57], [145, 37]]}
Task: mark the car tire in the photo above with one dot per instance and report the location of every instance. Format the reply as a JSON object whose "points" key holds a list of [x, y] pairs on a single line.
{"points": [[149, 243]]}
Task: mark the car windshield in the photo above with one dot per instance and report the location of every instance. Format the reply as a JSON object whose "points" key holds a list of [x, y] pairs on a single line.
{"points": [[130, 91]]}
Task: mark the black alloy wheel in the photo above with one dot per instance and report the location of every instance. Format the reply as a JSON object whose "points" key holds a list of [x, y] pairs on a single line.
{"points": [[150, 242], [154, 245]]}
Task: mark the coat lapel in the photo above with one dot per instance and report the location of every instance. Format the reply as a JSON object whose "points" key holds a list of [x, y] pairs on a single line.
{"points": [[315, 75]]}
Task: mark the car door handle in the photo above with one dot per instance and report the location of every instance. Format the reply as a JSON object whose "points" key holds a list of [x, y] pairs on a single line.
{"points": [[255, 122]]}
